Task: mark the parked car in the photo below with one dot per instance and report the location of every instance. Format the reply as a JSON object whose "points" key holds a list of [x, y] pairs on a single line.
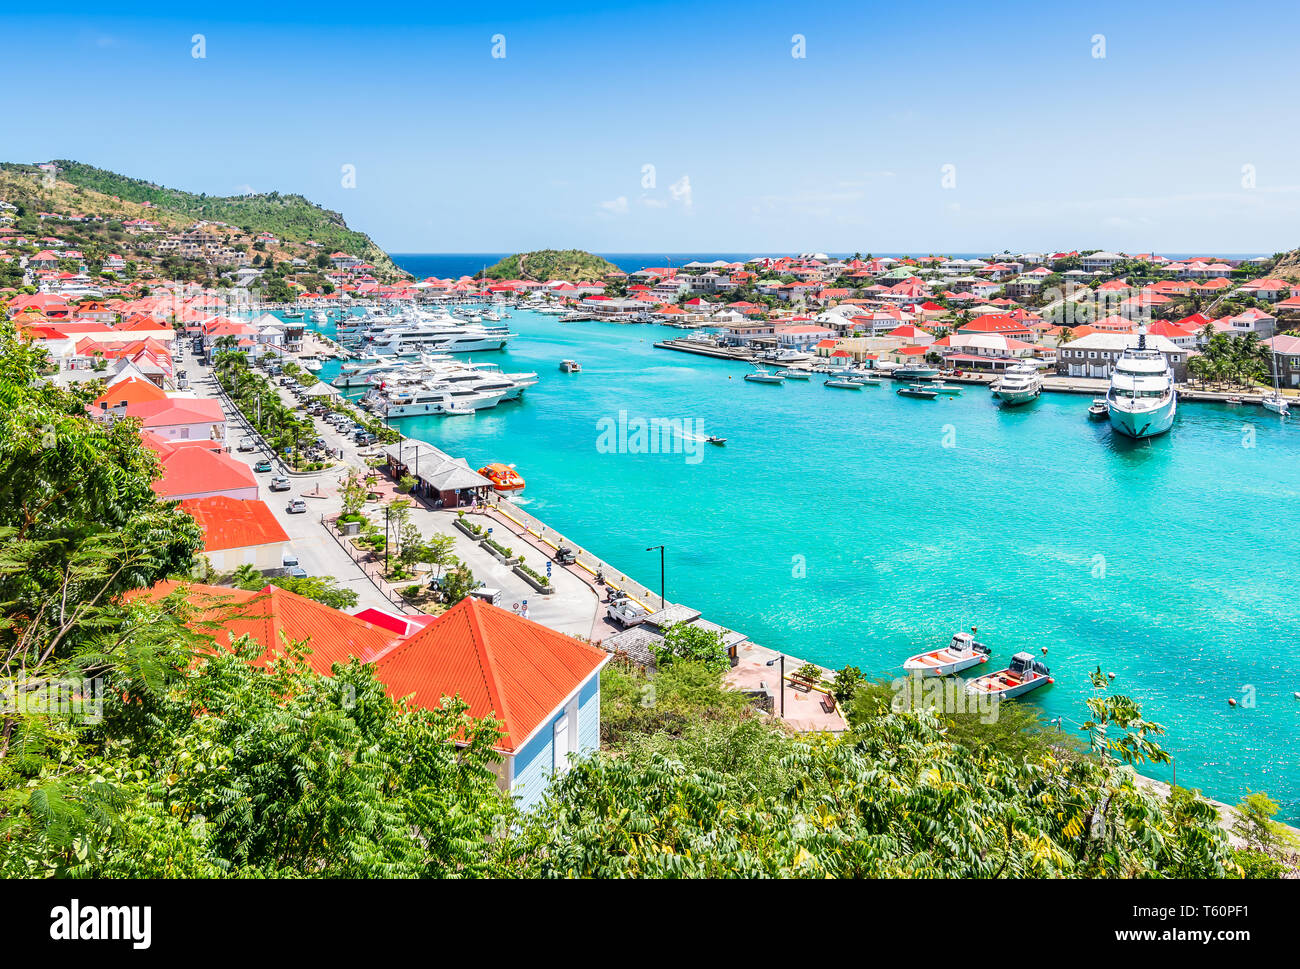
{"points": [[296, 507], [298, 572], [279, 483], [247, 444], [365, 437], [289, 560], [262, 466]]}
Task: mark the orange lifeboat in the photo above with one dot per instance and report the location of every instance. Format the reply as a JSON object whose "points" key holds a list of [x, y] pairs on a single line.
{"points": [[505, 480]]}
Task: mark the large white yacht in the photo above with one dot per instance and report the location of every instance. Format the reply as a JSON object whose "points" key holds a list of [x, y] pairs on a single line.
{"points": [[1142, 397], [410, 339], [1019, 385], [427, 398]]}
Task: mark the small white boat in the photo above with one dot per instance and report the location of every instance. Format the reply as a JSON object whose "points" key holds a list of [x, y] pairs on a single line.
{"points": [[844, 383], [570, 366], [1276, 403], [961, 654], [765, 377], [1023, 675], [1099, 410], [793, 374]]}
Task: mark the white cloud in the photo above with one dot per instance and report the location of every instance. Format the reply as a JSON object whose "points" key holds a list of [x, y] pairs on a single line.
{"points": [[616, 206]]}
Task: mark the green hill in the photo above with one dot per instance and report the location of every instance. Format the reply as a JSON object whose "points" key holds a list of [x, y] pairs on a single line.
{"points": [[572, 264], [91, 190]]}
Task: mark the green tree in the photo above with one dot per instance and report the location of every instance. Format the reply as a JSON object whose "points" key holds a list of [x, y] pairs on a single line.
{"points": [[695, 644]]}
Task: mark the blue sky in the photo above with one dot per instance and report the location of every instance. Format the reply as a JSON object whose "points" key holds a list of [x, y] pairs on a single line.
{"points": [[753, 149]]}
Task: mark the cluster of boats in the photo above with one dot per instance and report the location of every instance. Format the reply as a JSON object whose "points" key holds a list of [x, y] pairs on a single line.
{"points": [[404, 361], [1024, 674], [413, 331]]}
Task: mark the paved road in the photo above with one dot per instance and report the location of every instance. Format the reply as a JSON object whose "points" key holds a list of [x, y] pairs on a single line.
{"points": [[572, 608], [317, 552]]}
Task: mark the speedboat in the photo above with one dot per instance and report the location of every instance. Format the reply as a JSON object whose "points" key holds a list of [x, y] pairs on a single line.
{"points": [[505, 480], [948, 390], [570, 366], [1142, 398], [845, 383], [1099, 409], [916, 373], [961, 654], [765, 377], [866, 380], [916, 390], [793, 374], [1019, 385], [712, 439], [1023, 675]]}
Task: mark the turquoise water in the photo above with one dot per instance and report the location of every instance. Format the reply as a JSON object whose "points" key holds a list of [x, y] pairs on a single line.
{"points": [[837, 526]]}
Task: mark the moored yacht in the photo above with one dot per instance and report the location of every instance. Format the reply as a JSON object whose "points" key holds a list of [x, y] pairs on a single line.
{"points": [[1142, 398], [1019, 385]]}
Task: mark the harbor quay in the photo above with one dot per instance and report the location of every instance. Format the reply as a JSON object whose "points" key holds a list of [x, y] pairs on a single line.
{"points": [[1051, 383]]}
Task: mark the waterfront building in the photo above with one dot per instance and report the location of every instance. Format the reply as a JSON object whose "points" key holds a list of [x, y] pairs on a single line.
{"points": [[1095, 354], [1287, 354]]}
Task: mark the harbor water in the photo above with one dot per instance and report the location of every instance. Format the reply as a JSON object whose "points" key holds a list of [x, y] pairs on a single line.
{"points": [[859, 527]]}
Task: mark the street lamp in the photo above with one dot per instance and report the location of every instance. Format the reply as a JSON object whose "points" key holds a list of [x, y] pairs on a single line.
{"points": [[663, 601], [781, 682]]}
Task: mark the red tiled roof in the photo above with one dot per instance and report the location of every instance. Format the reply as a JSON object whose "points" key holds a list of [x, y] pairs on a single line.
{"points": [[197, 471], [332, 636], [133, 390], [512, 669], [234, 522]]}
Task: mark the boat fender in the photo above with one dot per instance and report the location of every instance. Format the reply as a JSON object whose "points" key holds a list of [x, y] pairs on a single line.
{"points": [[1111, 675], [1051, 680], [985, 659], [1231, 702]]}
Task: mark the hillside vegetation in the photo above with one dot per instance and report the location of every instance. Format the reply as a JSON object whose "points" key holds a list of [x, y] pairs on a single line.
{"points": [[1288, 266], [574, 265], [95, 191]]}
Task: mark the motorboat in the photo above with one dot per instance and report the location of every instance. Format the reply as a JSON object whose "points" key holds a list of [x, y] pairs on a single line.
{"points": [[505, 480], [764, 377], [570, 366], [1023, 675], [1019, 385], [916, 373], [794, 374], [1099, 410], [844, 383], [916, 390], [1142, 399], [712, 439], [960, 654], [948, 390]]}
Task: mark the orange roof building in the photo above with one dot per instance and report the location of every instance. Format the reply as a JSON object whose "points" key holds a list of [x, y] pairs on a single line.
{"points": [[238, 532], [332, 636], [543, 686], [196, 472]]}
